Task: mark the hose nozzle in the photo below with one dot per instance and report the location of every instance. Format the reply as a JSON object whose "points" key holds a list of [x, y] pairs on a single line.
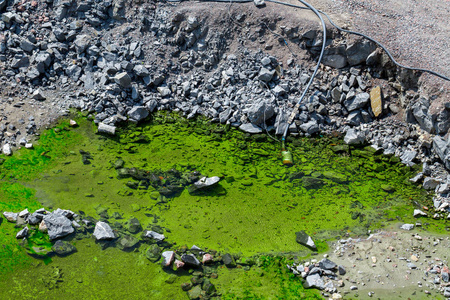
{"points": [[286, 155]]}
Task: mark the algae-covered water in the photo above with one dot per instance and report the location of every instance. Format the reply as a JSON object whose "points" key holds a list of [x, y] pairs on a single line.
{"points": [[254, 211]]}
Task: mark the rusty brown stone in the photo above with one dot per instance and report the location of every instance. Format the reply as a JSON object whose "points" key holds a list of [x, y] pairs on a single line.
{"points": [[375, 101]]}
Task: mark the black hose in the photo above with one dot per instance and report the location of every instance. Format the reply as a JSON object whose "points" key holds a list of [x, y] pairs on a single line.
{"points": [[324, 39], [337, 27]]}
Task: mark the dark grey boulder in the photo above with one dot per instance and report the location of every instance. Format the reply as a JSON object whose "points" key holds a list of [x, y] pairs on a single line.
{"points": [[311, 127], [190, 260], [141, 71], [103, 231], [123, 79], [35, 218], [304, 239], [341, 270], [57, 226], [358, 52], [327, 264], [336, 61], [63, 248], [138, 113]]}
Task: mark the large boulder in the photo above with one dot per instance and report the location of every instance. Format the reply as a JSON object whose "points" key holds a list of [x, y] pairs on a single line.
{"points": [[57, 225], [260, 111], [336, 61], [358, 52]]}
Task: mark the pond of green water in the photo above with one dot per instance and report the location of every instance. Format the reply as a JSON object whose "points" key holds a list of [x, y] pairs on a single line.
{"points": [[254, 211]]}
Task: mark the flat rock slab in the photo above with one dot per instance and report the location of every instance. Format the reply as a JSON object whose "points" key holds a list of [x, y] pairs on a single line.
{"points": [[375, 101]]}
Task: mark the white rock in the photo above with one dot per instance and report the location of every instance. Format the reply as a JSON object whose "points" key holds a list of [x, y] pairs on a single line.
{"points": [[419, 213], [104, 128], [7, 149]]}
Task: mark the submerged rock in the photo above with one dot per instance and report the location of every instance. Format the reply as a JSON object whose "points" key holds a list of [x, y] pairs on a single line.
{"points": [[103, 231], [127, 242], [153, 253], [63, 248]]}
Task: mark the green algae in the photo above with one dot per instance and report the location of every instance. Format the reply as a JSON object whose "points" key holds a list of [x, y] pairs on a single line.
{"points": [[332, 190]]}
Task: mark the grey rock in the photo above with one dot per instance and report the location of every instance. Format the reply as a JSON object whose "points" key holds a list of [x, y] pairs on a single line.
{"points": [[373, 58], [27, 46], [360, 101], [418, 213], [279, 91], [103, 231], [336, 95], [33, 73], [445, 276], [314, 281], [441, 148], [164, 91], [341, 270], [281, 122], [355, 118], [138, 113], [168, 257], [353, 137], [250, 128], [430, 183], [225, 115], [327, 264], [417, 178], [154, 235], [408, 156], [206, 182], [37, 95], [63, 248], [141, 71], [10, 216], [358, 52], [411, 266], [260, 111], [259, 3], [104, 128], [82, 43], [20, 62], [304, 239], [74, 72], [8, 17], [57, 225], [407, 226], [310, 127], [123, 79], [44, 57], [335, 61], [23, 233], [35, 218], [190, 260], [265, 74]]}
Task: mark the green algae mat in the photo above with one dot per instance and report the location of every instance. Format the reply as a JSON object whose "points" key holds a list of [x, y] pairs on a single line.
{"points": [[253, 212]]}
